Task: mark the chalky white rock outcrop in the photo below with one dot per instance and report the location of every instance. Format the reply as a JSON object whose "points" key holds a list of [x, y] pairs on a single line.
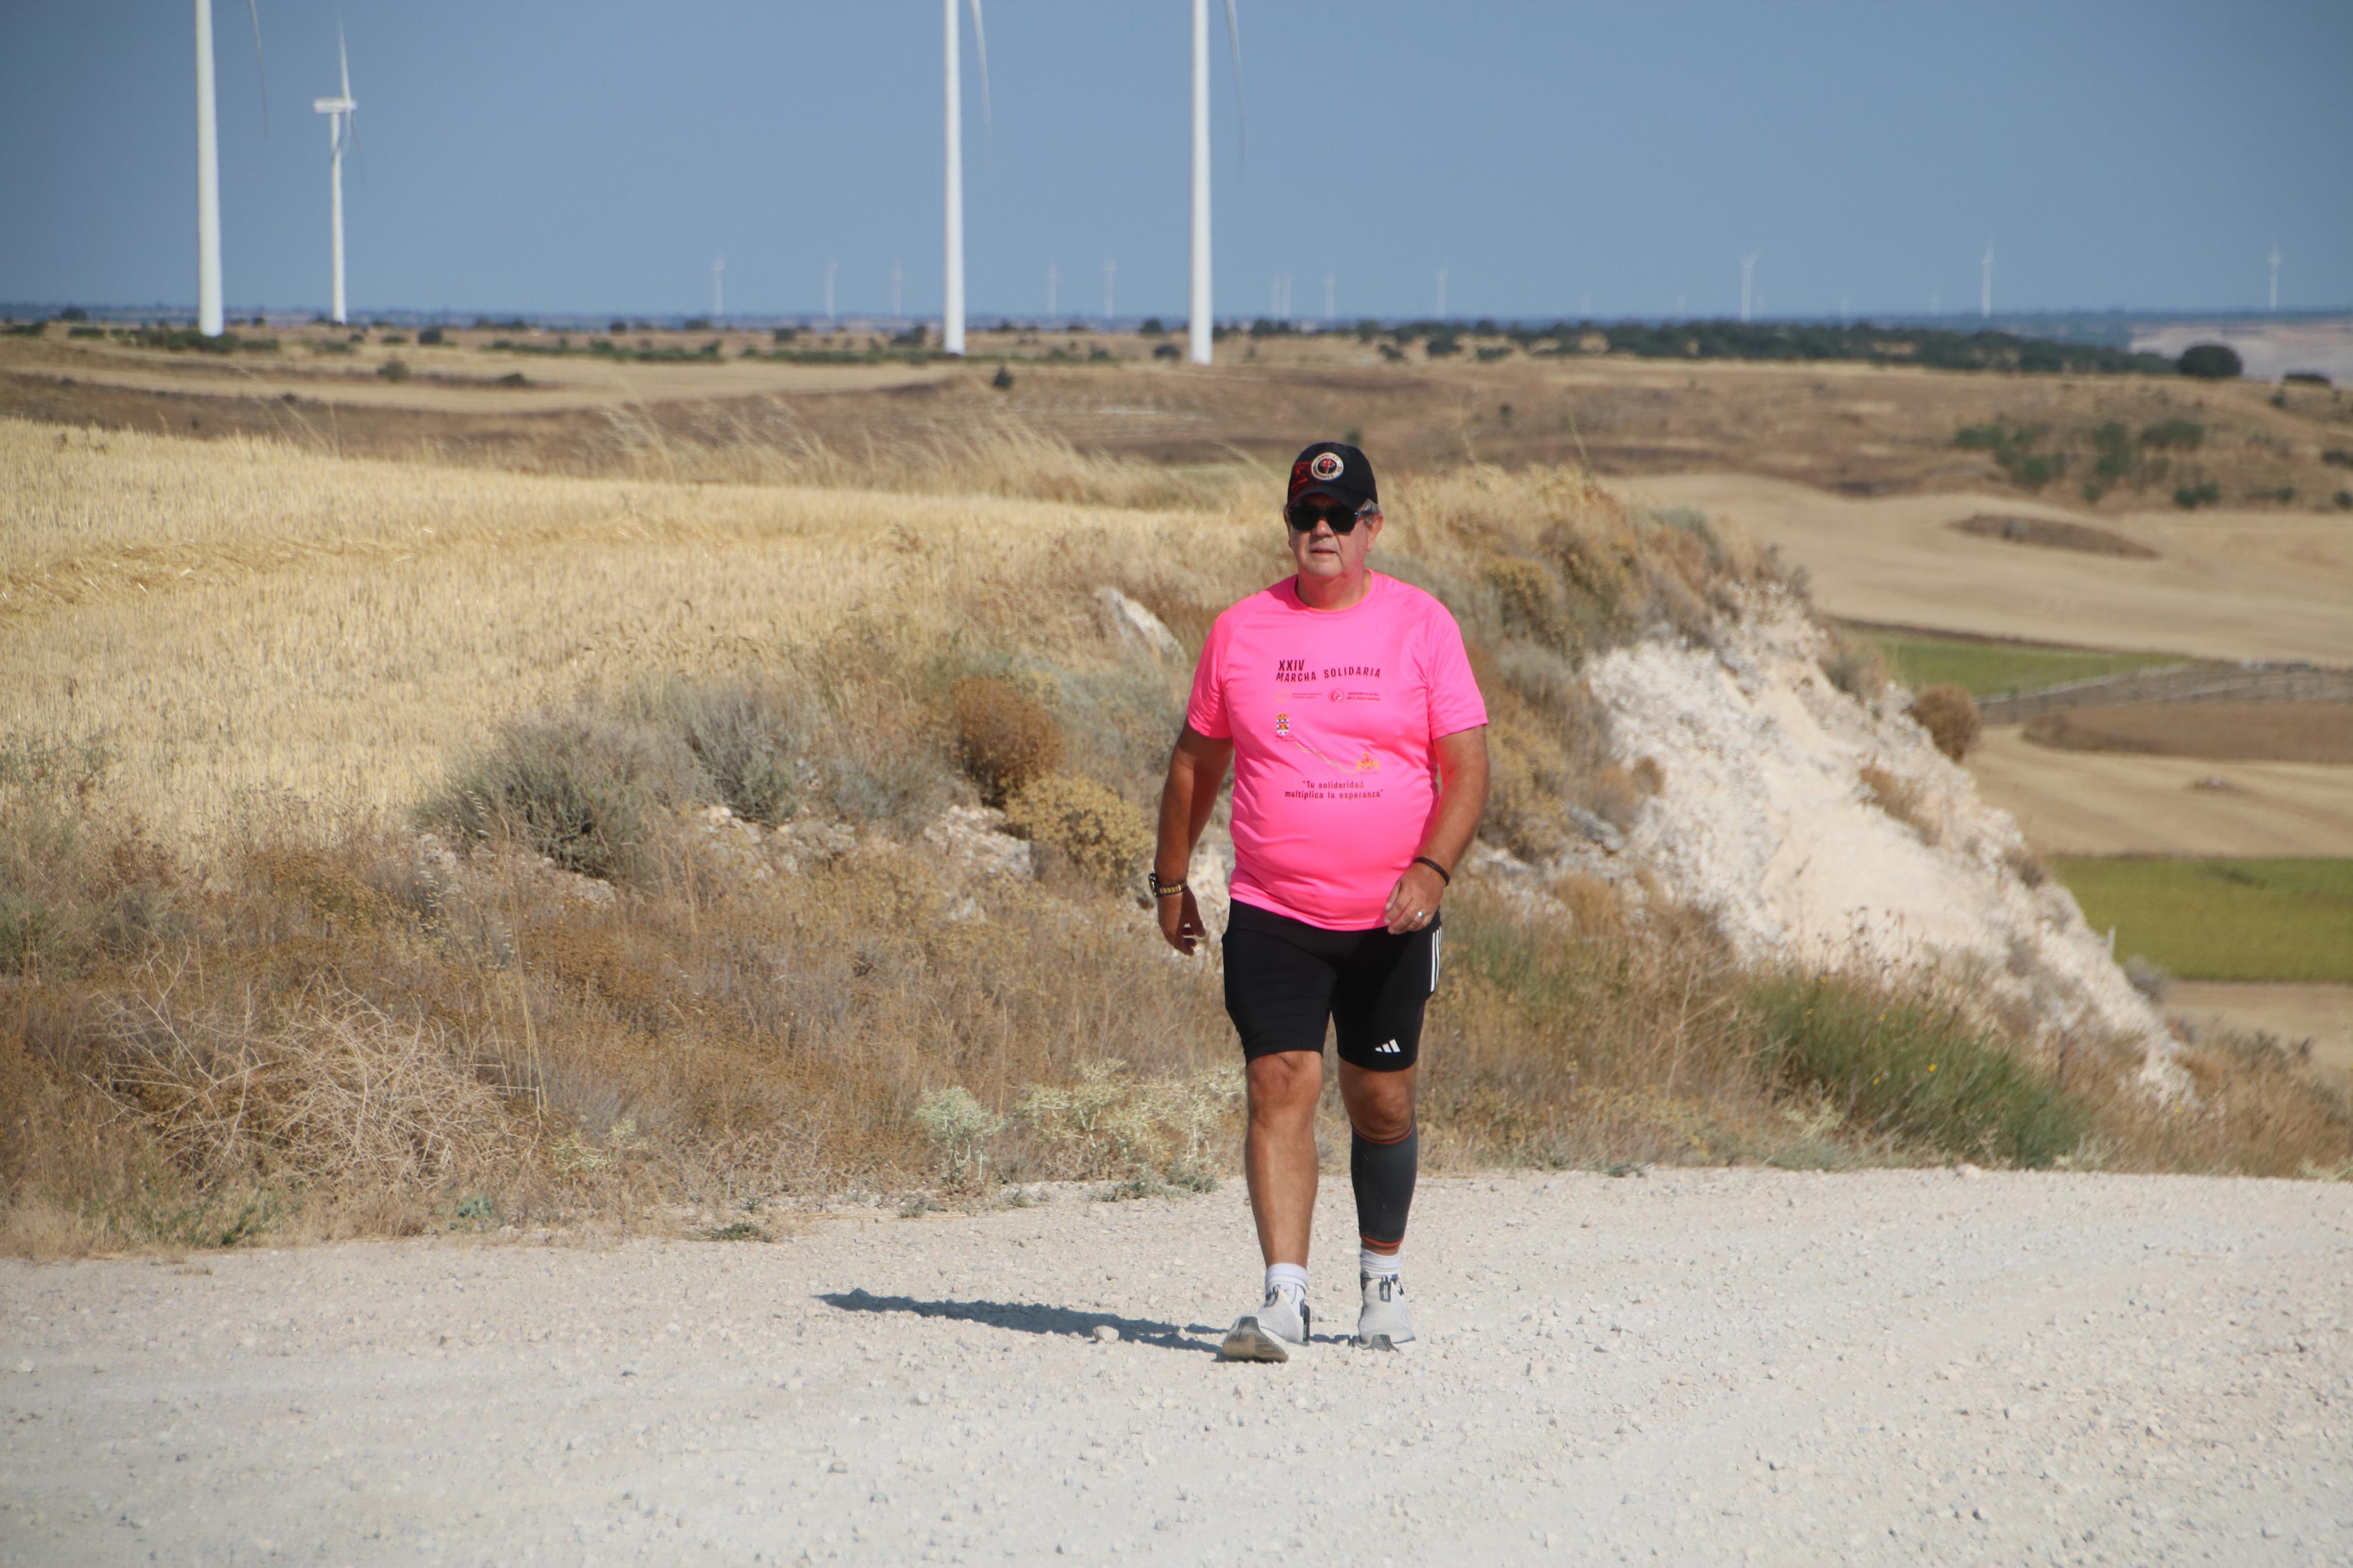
{"points": [[1764, 817]]}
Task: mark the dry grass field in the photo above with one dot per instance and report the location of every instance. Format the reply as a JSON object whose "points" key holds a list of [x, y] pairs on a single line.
{"points": [[2108, 803], [2228, 585]]}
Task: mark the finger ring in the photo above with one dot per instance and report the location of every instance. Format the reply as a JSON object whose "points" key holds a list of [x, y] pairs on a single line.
{"points": [[1422, 914]]}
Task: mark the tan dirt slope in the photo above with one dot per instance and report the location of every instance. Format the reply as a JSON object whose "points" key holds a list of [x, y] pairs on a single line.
{"points": [[2104, 802], [2270, 585], [1692, 1367]]}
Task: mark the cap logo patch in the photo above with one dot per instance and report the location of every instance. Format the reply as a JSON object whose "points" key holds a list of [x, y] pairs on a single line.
{"points": [[1326, 466]]}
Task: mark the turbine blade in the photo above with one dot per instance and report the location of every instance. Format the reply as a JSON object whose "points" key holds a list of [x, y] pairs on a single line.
{"points": [[1242, 130], [343, 57], [980, 45], [260, 65]]}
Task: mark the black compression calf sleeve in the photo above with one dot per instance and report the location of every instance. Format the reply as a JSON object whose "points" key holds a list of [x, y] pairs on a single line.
{"points": [[1383, 1176]]}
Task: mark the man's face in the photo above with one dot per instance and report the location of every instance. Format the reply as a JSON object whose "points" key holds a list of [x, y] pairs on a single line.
{"points": [[1321, 553]]}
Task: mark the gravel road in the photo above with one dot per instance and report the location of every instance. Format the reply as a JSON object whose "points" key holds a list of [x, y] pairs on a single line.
{"points": [[1684, 1367]]}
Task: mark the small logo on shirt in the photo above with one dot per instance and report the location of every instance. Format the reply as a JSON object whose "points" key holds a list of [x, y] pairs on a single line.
{"points": [[1388, 1048], [1369, 764], [1283, 723]]}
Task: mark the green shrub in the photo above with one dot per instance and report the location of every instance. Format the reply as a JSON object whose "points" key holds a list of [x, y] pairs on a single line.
{"points": [[2173, 435], [1898, 1067], [2190, 497], [577, 787], [2210, 362], [741, 730], [393, 370], [513, 378], [960, 1128], [431, 337]]}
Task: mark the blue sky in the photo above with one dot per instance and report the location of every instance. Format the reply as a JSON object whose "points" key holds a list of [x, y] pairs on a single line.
{"points": [[593, 156]]}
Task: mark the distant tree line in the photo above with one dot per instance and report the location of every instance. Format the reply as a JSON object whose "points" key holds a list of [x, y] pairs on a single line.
{"points": [[1862, 341]]}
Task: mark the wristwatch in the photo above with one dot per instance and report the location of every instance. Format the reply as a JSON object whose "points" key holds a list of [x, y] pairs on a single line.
{"points": [[1161, 889]]}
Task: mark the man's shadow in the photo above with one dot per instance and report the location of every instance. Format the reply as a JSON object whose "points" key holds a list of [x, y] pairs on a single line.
{"points": [[1030, 1318]]}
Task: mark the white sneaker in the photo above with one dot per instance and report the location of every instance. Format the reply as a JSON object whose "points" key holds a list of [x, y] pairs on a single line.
{"points": [[1270, 1333], [1382, 1325]]}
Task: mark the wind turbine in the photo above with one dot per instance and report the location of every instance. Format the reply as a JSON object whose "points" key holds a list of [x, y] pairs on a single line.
{"points": [[898, 277], [952, 309], [829, 292], [1985, 284], [208, 260], [1201, 329], [719, 286], [339, 111], [1053, 282], [2275, 276], [1111, 271], [1748, 283]]}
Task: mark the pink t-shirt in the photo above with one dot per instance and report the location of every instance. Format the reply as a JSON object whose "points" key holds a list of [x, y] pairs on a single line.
{"points": [[1334, 715]]}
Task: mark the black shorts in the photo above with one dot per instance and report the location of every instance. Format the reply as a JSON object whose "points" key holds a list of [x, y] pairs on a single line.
{"points": [[1286, 979]]}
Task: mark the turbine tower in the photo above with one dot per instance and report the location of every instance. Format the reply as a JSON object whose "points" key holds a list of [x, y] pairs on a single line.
{"points": [[1200, 328], [952, 309], [1053, 285], [2274, 277], [208, 261], [1985, 284], [718, 287], [338, 111], [1748, 283], [1111, 272]]}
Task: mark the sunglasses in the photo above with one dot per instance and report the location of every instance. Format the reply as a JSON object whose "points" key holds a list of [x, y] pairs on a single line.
{"points": [[1304, 517]]}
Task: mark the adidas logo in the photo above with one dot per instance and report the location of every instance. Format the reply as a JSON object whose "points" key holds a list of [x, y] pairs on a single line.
{"points": [[1388, 1048]]}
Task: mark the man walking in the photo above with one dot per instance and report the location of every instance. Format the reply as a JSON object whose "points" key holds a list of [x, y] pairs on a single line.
{"points": [[1346, 704]]}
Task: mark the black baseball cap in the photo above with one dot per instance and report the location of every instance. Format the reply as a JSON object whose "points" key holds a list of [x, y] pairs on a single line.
{"points": [[1332, 468]]}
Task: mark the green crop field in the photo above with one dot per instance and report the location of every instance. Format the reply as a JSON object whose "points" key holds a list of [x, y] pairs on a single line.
{"points": [[2279, 921], [1993, 668]]}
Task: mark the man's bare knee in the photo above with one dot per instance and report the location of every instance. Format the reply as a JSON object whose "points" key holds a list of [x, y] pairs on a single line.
{"points": [[1285, 1084]]}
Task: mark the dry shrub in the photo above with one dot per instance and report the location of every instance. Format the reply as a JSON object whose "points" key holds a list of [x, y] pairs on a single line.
{"points": [[338, 1091], [2254, 1110], [1902, 799], [1949, 714], [1003, 737], [1856, 667], [1083, 825]]}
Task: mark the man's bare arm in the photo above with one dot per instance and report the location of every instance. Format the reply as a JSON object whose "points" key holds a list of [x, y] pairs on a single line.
{"points": [[1197, 768]]}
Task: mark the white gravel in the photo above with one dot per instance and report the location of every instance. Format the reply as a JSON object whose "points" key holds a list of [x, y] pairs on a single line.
{"points": [[1686, 1367]]}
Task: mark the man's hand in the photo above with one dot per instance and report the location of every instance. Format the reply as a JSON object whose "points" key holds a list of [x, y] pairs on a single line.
{"points": [[1180, 921], [1413, 902]]}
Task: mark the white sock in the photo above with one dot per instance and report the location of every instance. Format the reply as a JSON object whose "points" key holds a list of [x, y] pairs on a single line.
{"points": [[1371, 1262], [1292, 1277]]}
